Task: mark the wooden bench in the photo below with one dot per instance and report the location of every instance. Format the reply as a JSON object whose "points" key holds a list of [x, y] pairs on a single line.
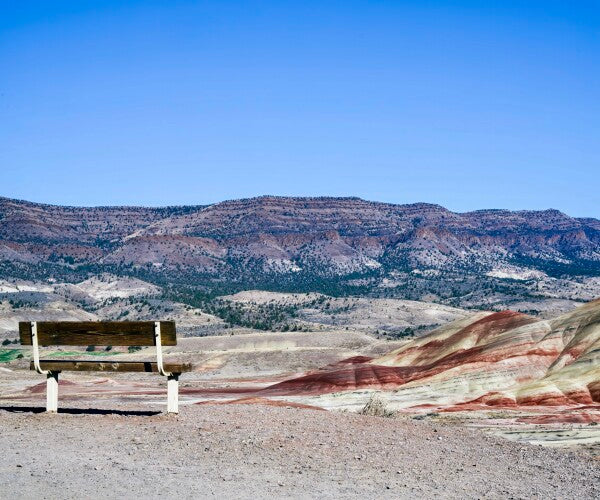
{"points": [[123, 333]]}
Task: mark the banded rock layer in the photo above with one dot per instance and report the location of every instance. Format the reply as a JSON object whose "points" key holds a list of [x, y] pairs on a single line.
{"points": [[503, 359]]}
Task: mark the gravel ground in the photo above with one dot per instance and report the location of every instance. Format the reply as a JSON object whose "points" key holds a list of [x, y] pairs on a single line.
{"points": [[250, 451]]}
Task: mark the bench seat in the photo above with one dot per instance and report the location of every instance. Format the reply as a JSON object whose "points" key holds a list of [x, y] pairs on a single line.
{"points": [[60, 365], [98, 333]]}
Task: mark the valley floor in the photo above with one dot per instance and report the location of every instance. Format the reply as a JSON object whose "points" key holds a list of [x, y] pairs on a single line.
{"points": [[254, 451]]}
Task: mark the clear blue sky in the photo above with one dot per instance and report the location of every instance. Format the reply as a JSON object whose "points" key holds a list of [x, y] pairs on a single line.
{"points": [[466, 104]]}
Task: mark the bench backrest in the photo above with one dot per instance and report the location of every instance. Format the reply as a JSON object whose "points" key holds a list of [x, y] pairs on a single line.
{"points": [[80, 333]]}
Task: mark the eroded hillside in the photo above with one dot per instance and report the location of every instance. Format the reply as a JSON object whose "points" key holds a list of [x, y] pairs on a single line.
{"points": [[539, 262]]}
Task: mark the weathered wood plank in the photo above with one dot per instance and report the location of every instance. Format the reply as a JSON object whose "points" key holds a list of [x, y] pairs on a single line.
{"points": [[110, 366], [117, 333]]}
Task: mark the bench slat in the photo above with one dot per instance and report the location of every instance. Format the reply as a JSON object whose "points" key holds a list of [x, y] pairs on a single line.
{"points": [[110, 366], [78, 333]]}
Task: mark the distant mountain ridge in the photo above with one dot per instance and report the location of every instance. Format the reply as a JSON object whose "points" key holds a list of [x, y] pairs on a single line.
{"points": [[335, 245]]}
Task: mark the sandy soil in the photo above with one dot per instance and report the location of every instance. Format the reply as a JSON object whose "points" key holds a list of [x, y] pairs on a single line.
{"points": [[249, 451]]}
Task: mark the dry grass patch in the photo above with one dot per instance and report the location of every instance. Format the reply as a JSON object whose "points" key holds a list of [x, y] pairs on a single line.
{"points": [[377, 407]]}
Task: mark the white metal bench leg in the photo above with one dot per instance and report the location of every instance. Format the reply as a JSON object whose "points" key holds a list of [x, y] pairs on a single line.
{"points": [[173, 393], [172, 378], [52, 392]]}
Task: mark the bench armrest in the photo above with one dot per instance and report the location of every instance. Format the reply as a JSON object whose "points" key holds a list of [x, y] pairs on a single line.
{"points": [[159, 358], [36, 350]]}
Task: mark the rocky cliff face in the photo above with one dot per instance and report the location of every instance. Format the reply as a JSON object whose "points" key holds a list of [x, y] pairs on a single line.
{"points": [[302, 243]]}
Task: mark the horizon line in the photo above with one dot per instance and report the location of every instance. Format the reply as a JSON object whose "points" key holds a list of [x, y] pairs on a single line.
{"points": [[283, 197]]}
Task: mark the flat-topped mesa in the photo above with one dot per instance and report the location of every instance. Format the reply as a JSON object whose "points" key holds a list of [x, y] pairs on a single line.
{"points": [[352, 246], [351, 218]]}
